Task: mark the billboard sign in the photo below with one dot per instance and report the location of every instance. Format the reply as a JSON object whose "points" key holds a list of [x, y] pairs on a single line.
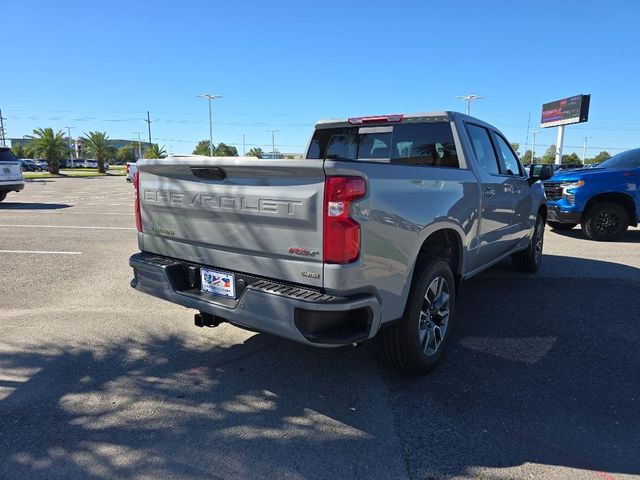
{"points": [[565, 111]]}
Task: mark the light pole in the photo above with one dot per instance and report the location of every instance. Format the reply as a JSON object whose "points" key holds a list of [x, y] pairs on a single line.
{"points": [[69, 142], [469, 99], [533, 147], [584, 149], [210, 97], [244, 145], [139, 146], [273, 143]]}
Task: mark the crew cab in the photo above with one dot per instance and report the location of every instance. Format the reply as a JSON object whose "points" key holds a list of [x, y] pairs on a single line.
{"points": [[371, 234], [604, 200], [11, 179]]}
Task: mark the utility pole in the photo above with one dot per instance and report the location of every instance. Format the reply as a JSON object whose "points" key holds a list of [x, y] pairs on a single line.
{"points": [[69, 142], [2, 119], [533, 147], [584, 150], [273, 143], [210, 97], [244, 145], [139, 146], [148, 120], [526, 140], [469, 99]]}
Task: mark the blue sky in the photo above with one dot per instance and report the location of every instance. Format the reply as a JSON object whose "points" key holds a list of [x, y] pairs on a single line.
{"points": [[286, 64]]}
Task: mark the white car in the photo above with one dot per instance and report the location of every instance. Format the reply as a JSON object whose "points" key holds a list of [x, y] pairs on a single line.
{"points": [[131, 171], [11, 179]]}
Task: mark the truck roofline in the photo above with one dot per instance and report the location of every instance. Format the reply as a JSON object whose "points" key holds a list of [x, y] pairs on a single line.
{"points": [[448, 115]]}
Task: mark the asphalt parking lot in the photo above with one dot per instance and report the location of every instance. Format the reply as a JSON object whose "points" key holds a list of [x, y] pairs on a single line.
{"points": [[99, 381]]}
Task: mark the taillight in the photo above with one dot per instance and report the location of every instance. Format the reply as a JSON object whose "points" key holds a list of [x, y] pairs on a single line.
{"points": [[341, 232], [136, 185], [128, 169]]}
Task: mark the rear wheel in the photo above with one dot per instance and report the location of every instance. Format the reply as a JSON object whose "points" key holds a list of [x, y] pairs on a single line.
{"points": [[3, 195], [561, 226], [529, 260], [417, 341], [605, 222]]}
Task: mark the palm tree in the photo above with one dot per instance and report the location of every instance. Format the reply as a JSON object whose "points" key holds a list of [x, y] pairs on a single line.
{"points": [[97, 144], [155, 151], [47, 144], [255, 152]]}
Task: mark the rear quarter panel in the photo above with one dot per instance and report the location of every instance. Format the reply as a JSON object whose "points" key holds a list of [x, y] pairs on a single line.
{"points": [[403, 206]]}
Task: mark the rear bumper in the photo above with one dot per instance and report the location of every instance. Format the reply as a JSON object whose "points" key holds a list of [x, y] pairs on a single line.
{"points": [[295, 312], [11, 186], [554, 214]]}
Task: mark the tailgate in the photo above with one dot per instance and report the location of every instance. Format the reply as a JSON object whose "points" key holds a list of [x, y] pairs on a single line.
{"points": [[10, 168], [240, 214]]}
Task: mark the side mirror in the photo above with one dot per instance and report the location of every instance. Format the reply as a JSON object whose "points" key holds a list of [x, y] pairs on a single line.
{"points": [[540, 172]]}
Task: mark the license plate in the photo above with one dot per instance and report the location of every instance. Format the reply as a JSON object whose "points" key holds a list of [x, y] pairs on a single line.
{"points": [[218, 283]]}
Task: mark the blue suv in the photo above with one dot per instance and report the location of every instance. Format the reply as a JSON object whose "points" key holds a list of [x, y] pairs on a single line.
{"points": [[604, 200]]}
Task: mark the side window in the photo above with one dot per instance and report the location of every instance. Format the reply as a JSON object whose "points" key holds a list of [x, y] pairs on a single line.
{"points": [[483, 148], [428, 144], [509, 164]]}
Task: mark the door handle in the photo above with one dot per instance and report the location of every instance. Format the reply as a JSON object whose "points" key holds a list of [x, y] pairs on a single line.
{"points": [[489, 192]]}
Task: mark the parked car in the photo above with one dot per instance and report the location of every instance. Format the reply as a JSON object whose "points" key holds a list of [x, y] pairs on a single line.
{"points": [[131, 171], [11, 179], [42, 164], [29, 165], [604, 200], [292, 247]]}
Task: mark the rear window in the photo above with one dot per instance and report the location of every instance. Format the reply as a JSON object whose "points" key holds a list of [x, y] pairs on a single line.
{"points": [[427, 144], [7, 155]]}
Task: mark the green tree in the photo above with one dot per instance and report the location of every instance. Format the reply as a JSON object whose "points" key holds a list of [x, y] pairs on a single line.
{"points": [[18, 150], [601, 157], [96, 144], [516, 148], [526, 158], [549, 155], [50, 145], [571, 159], [255, 152], [128, 153], [223, 150], [155, 151], [202, 148]]}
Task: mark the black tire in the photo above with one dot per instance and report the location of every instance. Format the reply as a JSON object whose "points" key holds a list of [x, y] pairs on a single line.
{"points": [[561, 226], [3, 195], [529, 260], [605, 222], [411, 344]]}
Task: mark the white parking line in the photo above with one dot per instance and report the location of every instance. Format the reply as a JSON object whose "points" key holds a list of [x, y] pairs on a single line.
{"points": [[41, 252], [75, 227], [64, 212]]}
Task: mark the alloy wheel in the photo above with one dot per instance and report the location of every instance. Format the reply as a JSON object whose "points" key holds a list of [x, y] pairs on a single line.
{"points": [[434, 316]]}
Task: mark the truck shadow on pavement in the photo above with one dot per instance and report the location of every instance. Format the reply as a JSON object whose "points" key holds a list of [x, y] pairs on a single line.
{"points": [[630, 236], [544, 370], [32, 206]]}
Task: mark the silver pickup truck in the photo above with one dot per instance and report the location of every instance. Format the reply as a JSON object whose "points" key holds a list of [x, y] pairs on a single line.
{"points": [[371, 234]]}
